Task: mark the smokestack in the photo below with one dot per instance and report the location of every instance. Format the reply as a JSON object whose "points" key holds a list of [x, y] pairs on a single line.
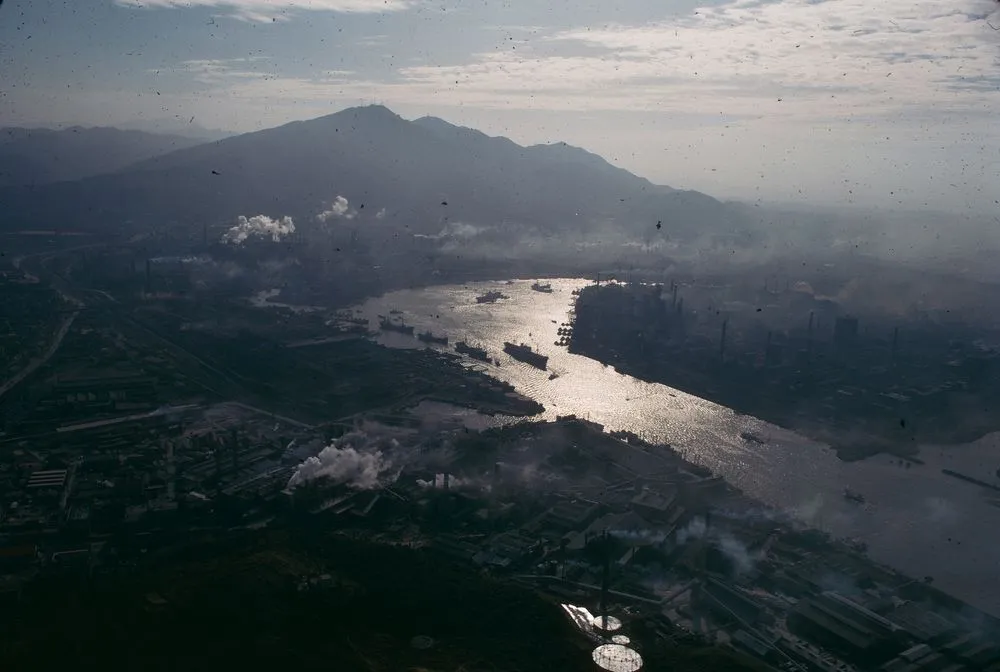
{"points": [[605, 579], [445, 483], [809, 334], [722, 340], [171, 472], [675, 296], [496, 474]]}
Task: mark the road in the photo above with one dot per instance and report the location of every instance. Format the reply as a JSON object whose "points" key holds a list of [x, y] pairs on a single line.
{"points": [[222, 383], [64, 327], [34, 364]]}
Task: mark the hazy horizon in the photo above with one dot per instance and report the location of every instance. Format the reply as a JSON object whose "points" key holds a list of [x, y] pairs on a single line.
{"points": [[784, 101]]}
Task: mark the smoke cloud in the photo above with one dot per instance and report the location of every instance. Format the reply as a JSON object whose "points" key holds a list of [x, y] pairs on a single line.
{"points": [[339, 209], [455, 230], [361, 460], [258, 226], [730, 546]]}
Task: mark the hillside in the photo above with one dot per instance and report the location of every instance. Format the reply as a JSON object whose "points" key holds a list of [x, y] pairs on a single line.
{"points": [[36, 156], [423, 172]]}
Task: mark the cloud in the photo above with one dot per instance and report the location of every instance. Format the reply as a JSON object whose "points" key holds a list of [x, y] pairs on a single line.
{"points": [[339, 209], [258, 226], [218, 70], [270, 11], [818, 58], [796, 59]]}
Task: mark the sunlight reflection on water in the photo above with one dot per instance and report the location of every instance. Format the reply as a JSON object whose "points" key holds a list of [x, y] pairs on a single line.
{"points": [[915, 519]]}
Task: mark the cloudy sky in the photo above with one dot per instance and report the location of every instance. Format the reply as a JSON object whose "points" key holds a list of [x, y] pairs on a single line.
{"points": [[888, 103]]}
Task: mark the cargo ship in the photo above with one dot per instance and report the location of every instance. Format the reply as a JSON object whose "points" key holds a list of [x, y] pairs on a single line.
{"points": [[524, 353], [545, 289], [428, 337], [491, 297], [855, 497], [386, 325], [472, 351]]}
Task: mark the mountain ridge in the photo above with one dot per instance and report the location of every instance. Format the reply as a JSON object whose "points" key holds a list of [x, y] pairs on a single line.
{"points": [[371, 155], [37, 156]]}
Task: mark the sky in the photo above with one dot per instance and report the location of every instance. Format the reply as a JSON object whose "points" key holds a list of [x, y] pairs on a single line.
{"points": [[876, 103]]}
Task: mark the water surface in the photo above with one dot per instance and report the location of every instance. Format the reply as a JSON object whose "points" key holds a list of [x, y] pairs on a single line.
{"points": [[916, 519]]}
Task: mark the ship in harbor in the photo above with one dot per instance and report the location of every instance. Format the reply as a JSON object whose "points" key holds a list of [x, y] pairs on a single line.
{"points": [[491, 297], [398, 327], [750, 437], [524, 353], [545, 289], [428, 337], [853, 496], [472, 351]]}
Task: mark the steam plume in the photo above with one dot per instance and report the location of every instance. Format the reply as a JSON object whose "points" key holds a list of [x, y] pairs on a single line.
{"points": [[359, 460], [339, 209], [730, 546], [258, 226]]}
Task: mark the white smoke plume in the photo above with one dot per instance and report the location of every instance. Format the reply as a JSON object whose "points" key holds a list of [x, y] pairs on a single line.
{"points": [[380, 214], [730, 546], [361, 460], [455, 230], [258, 226], [339, 209]]}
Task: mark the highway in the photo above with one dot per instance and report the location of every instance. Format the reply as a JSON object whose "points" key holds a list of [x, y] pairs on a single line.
{"points": [[64, 327]]}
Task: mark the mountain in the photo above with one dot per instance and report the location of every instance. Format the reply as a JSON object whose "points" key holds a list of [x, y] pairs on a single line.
{"points": [[176, 126], [35, 156], [424, 173]]}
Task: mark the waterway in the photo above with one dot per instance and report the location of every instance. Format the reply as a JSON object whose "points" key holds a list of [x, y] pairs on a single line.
{"points": [[915, 519]]}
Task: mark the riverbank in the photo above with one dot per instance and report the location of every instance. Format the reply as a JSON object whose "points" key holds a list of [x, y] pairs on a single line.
{"points": [[857, 394], [854, 438]]}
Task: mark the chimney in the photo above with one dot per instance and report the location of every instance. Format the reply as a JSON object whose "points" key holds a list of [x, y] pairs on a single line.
{"points": [[171, 471], [722, 340], [809, 334], [446, 481], [605, 579]]}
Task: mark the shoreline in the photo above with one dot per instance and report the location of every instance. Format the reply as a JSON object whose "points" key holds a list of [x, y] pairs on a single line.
{"points": [[868, 444]]}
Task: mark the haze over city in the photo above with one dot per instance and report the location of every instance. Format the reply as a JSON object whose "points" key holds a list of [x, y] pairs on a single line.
{"points": [[500, 336]]}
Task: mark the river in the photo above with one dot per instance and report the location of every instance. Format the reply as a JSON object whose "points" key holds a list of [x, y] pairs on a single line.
{"points": [[915, 519]]}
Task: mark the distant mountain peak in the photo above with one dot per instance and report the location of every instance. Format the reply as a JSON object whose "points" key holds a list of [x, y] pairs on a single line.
{"points": [[373, 111]]}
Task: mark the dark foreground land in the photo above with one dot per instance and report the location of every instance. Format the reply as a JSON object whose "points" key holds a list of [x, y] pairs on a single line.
{"points": [[293, 599], [861, 390]]}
